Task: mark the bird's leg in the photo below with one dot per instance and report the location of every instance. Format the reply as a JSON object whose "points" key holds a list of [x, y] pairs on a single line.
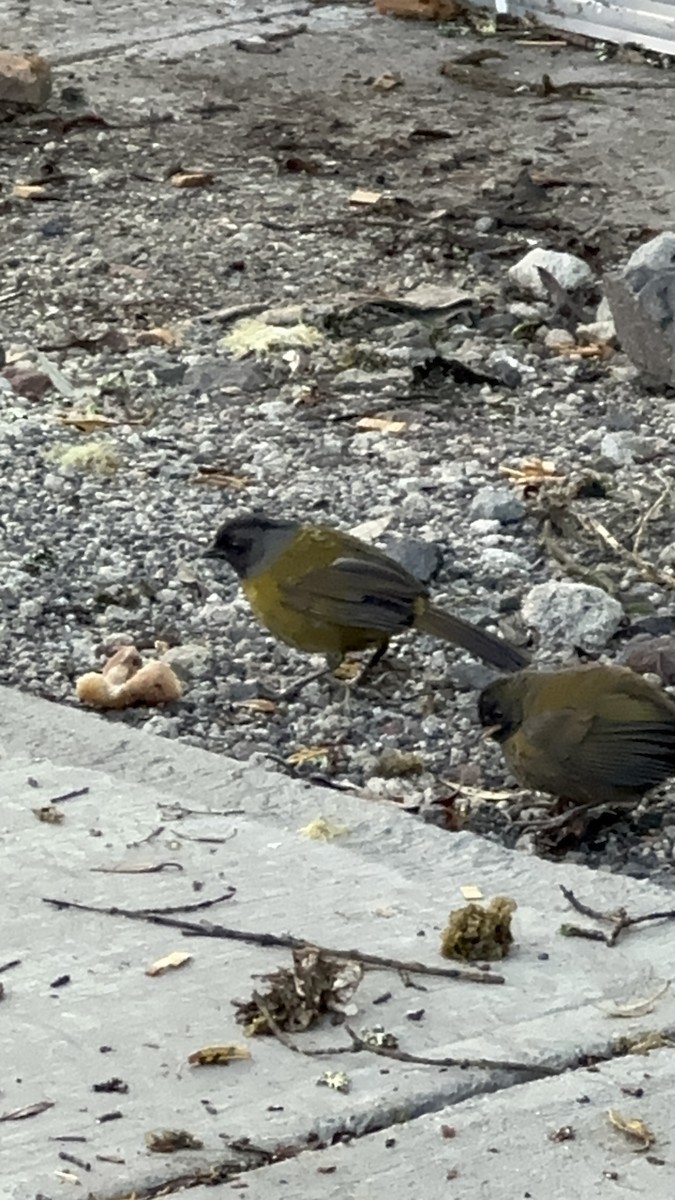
{"points": [[294, 689], [360, 676], [368, 665], [570, 814]]}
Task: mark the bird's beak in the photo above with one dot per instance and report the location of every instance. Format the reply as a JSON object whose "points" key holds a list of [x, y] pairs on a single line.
{"points": [[490, 732], [210, 552]]}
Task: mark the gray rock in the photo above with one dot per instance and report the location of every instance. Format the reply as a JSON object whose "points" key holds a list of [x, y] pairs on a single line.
{"points": [[654, 656], [568, 270], [621, 419], [555, 338], [619, 448], [568, 614], [501, 561], [12, 585], [190, 661], [505, 370], [484, 528], [354, 379], [169, 373], [216, 375], [161, 726], [642, 301], [497, 504], [216, 612], [422, 559]]}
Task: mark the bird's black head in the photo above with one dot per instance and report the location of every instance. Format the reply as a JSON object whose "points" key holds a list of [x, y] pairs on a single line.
{"points": [[251, 543], [500, 709]]}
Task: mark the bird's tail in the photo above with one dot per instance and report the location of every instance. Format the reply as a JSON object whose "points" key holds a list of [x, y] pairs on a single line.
{"points": [[496, 651]]}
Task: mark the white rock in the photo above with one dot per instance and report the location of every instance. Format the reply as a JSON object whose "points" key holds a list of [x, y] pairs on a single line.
{"points": [[571, 614], [558, 337], [501, 561], [619, 447], [568, 270]]}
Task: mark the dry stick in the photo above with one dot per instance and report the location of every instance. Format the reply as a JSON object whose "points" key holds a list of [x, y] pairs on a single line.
{"points": [[74, 795], [464, 1063], [649, 570], [178, 811], [156, 916], [592, 935], [285, 941], [619, 919], [281, 1035], [650, 513], [358, 1044], [148, 838], [154, 869]]}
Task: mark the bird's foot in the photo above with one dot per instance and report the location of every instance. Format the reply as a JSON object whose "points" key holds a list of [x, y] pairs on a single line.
{"points": [[294, 689]]}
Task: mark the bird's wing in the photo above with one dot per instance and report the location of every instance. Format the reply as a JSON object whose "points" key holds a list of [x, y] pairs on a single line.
{"points": [[618, 754], [632, 754], [358, 593]]}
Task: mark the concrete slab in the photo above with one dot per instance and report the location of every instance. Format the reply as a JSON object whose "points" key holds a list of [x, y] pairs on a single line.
{"points": [[154, 30], [549, 1141], [385, 887]]}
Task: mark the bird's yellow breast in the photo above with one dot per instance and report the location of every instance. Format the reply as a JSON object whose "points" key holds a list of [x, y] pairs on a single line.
{"points": [[311, 549]]}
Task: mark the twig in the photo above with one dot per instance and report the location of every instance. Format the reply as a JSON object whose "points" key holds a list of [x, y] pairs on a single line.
{"points": [[14, 962], [285, 1039], [216, 841], [150, 870], [28, 1110], [233, 311], [619, 919], [581, 931], [564, 818], [284, 941], [178, 811], [83, 791], [358, 1045], [650, 513], [648, 570], [463, 1063], [156, 916], [148, 838]]}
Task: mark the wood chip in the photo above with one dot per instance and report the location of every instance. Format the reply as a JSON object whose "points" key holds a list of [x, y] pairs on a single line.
{"points": [[308, 754], [381, 424], [471, 892], [633, 1128], [386, 81], [192, 179], [29, 191], [363, 196], [257, 704], [218, 1056], [170, 962]]}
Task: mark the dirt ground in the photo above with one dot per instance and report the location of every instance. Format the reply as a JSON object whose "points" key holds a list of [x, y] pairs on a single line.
{"points": [[290, 134]]}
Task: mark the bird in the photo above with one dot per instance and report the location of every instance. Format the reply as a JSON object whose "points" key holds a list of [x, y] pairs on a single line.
{"points": [[593, 734], [326, 592]]}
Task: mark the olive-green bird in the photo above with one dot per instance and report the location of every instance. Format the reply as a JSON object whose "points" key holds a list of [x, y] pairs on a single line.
{"points": [[326, 592], [589, 734]]}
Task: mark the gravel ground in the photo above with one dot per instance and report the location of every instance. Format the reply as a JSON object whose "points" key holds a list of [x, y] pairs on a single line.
{"points": [[132, 289]]}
